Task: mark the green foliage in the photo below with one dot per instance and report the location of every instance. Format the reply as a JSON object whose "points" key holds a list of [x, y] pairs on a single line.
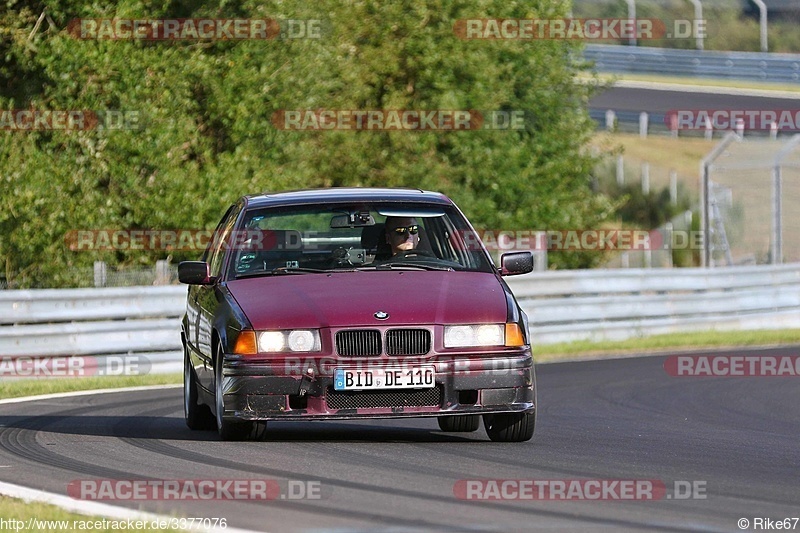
{"points": [[205, 135], [652, 210], [646, 210]]}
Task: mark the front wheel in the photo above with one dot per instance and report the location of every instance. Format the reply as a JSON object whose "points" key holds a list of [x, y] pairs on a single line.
{"points": [[459, 423], [510, 427], [198, 417], [228, 429]]}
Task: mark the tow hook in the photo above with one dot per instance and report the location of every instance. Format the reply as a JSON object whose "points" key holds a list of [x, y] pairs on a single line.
{"points": [[306, 381]]}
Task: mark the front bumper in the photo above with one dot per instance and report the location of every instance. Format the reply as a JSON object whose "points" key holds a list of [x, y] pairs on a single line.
{"points": [[281, 389]]}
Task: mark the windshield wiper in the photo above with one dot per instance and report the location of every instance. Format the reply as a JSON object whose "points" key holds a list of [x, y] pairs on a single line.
{"points": [[418, 266], [281, 270]]}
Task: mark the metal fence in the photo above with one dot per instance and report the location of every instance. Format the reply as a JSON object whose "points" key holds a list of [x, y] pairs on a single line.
{"points": [[565, 306], [103, 323], [758, 66], [751, 207], [657, 258], [103, 275], [562, 306]]}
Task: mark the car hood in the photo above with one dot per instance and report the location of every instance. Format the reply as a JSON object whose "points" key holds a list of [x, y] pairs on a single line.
{"points": [[352, 299]]}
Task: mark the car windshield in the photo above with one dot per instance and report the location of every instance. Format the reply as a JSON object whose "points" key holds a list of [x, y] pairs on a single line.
{"points": [[312, 239]]}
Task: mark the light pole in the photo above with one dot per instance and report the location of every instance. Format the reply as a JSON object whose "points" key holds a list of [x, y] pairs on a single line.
{"points": [[698, 16], [762, 19]]}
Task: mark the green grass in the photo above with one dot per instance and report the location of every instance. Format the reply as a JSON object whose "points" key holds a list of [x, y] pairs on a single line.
{"points": [[14, 388], [12, 508], [666, 343]]}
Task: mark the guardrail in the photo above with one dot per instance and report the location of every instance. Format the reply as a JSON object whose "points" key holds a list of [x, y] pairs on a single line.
{"points": [[565, 306], [561, 305], [109, 324], [760, 66]]}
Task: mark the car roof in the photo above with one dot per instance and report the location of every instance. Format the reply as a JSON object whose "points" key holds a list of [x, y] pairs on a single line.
{"points": [[344, 195]]}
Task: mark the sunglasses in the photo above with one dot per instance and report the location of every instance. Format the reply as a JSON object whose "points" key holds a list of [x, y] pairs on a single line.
{"points": [[413, 230]]}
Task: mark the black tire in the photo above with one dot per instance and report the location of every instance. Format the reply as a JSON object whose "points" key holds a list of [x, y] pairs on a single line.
{"points": [[459, 423], [227, 429], [198, 417], [510, 427]]}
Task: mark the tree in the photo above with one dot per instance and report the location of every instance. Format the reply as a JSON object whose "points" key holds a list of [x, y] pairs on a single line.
{"points": [[205, 133]]}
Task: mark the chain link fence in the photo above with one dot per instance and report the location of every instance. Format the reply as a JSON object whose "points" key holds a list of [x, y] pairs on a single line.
{"points": [[752, 207], [103, 275], [674, 241]]}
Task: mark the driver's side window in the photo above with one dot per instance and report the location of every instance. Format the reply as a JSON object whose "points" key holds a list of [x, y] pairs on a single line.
{"points": [[215, 254]]}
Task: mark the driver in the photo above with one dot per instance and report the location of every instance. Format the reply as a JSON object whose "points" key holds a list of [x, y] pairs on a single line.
{"points": [[402, 234]]}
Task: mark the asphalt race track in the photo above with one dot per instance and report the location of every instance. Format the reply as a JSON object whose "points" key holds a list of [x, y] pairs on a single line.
{"points": [[661, 101], [734, 438]]}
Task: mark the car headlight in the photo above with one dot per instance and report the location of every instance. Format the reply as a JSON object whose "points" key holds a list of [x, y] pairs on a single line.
{"points": [[483, 335], [291, 340], [474, 335]]}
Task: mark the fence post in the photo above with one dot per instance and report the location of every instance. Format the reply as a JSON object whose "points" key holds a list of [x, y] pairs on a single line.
{"points": [[645, 178], [631, 16], [540, 254], [611, 119], [698, 15], [740, 127], [668, 248], [673, 125], [776, 248], [673, 187], [162, 273], [100, 274], [762, 23], [643, 120], [620, 170]]}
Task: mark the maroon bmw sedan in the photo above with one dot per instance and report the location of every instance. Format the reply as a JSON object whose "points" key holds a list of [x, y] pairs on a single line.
{"points": [[352, 303]]}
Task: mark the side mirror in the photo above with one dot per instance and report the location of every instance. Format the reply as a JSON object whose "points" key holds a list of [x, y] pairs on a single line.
{"points": [[515, 263], [194, 273]]}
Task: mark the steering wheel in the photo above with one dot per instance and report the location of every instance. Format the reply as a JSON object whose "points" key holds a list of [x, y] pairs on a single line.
{"points": [[413, 253], [341, 257]]}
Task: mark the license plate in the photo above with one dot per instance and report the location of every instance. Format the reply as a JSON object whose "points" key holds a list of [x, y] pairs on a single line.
{"points": [[420, 377]]}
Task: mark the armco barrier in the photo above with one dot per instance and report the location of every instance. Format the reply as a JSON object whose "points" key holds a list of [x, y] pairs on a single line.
{"points": [[561, 305], [754, 66], [106, 323], [565, 306]]}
